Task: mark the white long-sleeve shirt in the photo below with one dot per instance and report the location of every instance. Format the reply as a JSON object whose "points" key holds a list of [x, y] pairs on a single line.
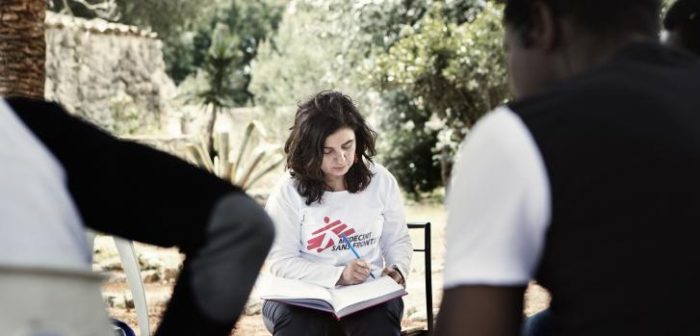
{"points": [[498, 207], [308, 245]]}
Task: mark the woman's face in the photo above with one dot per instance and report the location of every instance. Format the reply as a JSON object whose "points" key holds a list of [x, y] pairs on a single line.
{"points": [[338, 153]]}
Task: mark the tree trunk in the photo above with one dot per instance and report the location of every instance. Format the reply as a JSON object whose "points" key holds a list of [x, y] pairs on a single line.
{"points": [[210, 131], [22, 48]]}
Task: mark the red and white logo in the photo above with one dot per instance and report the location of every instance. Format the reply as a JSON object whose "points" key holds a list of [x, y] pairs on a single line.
{"points": [[323, 238]]}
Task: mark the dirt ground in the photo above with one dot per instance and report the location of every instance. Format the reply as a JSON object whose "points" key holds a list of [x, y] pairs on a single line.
{"points": [[158, 292]]}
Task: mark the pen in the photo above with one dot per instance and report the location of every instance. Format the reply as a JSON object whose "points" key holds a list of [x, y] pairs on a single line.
{"points": [[357, 255]]}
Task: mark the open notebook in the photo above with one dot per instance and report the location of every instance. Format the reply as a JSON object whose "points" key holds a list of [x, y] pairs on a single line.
{"points": [[340, 301]]}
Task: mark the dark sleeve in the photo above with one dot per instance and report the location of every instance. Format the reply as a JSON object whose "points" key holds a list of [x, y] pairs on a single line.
{"points": [[124, 188], [136, 192]]}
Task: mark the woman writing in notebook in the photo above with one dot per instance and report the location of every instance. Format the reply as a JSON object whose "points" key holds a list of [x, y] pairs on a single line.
{"points": [[333, 189]]}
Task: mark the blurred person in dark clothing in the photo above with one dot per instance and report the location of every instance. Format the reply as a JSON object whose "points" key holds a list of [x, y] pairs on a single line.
{"points": [[587, 182]]}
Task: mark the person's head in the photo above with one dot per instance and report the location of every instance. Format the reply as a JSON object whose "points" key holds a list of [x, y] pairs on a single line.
{"points": [[329, 142], [683, 25], [550, 40]]}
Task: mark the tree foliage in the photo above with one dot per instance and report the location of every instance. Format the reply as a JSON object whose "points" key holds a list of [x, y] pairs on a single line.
{"points": [[324, 44], [407, 148], [250, 21], [457, 71], [454, 73], [312, 51], [425, 69], [217, 82], [187, 28]]}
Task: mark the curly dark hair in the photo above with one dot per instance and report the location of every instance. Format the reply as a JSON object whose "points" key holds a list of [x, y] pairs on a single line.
{"points": [[316, 119]]}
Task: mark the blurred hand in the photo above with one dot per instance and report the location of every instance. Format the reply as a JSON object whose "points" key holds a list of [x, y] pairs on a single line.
{"points": [[394, 274], [355, 272]]}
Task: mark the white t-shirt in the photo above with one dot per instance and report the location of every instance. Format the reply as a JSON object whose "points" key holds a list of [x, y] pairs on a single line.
{"points": [[308, 246], [498, 205], [39, 224]]}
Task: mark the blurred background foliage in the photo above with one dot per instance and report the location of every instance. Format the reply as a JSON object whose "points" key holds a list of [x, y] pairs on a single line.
{"points": [[187, 28], [423, 71], [448, 74]]}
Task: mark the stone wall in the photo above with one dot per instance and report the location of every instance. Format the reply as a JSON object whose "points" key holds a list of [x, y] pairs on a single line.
{"points": [[105, 71]]}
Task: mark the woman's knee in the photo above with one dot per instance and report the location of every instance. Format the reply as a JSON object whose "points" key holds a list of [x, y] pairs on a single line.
{"points": [[274, 314], [284, 319], [384, 319]]}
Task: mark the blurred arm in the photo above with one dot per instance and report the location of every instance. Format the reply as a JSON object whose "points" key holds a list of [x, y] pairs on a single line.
{"points": [[133, 191]]}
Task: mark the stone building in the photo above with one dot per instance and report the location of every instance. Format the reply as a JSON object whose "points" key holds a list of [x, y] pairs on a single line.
{"points": [[105, 71]]}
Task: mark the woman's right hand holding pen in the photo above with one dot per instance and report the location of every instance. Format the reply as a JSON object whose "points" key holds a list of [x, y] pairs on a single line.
{"points": [[355, 272]]}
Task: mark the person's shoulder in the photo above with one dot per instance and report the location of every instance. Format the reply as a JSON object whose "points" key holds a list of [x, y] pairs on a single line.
{"points": [[286, 182], [626, 82], [378, 169], [22, 106], [380, 173], [566, 94], [596, 92], [51, 122], [286, 188], [382, 179], [486, 138]]}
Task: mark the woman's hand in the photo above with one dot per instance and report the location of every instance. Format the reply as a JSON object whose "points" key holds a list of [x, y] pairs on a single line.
{"points": [[394, 274], [355, 272]]}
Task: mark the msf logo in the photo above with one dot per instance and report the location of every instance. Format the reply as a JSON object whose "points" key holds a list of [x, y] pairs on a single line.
{"points": [[323, 237]]}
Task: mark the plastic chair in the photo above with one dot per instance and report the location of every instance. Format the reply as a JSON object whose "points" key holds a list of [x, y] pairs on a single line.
{"points": [[51, 301], [130, 264]]}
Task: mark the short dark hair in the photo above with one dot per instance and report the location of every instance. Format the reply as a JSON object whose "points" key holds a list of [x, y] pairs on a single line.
{"points": [[599, 17], [315, 120], [684, 17]]}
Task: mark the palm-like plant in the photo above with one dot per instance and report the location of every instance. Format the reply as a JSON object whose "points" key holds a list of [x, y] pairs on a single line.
{"points": [[214, 84], [254, 159]]}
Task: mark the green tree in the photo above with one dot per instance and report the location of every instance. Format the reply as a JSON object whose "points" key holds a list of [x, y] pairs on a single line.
{"points": [[329, 44], [311, 51], [407, 143], [251, 21], [186, 28], [385, 22], [454, 72], [357, 46], [215, 84]]}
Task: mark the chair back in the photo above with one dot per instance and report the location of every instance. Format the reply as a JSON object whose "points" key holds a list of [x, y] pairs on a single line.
{"points": [[58, 302]]}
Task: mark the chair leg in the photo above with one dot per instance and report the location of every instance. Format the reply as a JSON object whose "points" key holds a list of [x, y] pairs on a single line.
{"points": [[133, 277], [428, 278]]}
